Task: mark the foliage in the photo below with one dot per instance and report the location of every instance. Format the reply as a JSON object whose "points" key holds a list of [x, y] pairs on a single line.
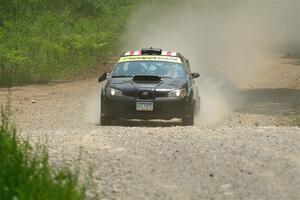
{"points": [[296, 122], [27, 175], [42, 40]]}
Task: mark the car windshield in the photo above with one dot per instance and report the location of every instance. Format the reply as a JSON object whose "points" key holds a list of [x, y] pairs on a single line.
{"points": [[155, 68]]}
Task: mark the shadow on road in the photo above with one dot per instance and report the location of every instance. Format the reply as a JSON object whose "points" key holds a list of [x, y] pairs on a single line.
{"points": [[281, 101], [147, 123]]}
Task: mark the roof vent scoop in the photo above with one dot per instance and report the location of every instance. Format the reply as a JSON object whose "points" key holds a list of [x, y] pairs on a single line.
{"points": [[151, 51]]}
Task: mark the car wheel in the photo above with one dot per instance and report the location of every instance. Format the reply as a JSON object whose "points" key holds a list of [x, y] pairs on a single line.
{"points": [[104, 121], [188, 121], [197, 107]]}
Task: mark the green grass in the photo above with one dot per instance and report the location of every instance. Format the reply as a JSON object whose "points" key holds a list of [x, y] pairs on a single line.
{"points": [[25, 174], [42, 40], [297, 121]]}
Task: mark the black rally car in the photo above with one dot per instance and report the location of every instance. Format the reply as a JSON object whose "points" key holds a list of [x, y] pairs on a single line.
{"points": [[150, 84]]}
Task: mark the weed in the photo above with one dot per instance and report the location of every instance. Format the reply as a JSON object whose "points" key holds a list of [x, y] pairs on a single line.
{"points": [[26, 174]]}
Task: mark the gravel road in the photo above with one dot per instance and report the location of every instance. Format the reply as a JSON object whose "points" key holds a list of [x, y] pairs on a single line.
{"points": [[251, 153]]}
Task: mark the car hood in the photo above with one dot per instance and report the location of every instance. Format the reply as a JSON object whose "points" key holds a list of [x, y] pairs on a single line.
{"points": [[128, 84]]}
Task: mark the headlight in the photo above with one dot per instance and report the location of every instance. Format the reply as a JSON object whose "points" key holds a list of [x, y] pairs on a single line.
{"points": [[112, 92], [180, 93]]}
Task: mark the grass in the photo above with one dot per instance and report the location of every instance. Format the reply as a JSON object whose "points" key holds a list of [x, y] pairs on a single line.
{"points": [[297, 121], [25, 174], [43, 40]]}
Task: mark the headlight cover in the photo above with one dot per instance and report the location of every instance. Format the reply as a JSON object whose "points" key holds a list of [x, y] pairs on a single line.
{"points": [[179, 93], [112, 92]]}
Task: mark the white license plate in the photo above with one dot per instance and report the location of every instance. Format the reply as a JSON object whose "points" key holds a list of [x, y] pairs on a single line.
{"points": [[144, 106]]}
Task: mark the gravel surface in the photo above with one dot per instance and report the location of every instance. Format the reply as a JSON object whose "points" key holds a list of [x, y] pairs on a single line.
{"points": [[246, 155], [184, 163]]}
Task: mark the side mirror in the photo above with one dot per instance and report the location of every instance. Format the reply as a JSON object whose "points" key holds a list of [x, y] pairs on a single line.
{"points": [[103, 77], [194, 75], [187, 61]]}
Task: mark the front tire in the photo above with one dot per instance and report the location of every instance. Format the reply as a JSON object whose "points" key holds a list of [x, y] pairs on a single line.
{"points": [[188, 121], [105, 121]]}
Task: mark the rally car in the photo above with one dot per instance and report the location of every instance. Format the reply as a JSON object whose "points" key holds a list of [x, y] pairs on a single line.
{"points": [[150, 84]]}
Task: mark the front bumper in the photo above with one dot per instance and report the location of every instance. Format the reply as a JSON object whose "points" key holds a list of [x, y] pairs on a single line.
{"points": [[163, 108]]}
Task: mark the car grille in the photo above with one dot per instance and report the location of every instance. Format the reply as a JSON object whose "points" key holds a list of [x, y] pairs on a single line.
{"points": [[146, 95], [150, 95], [161, 94]]}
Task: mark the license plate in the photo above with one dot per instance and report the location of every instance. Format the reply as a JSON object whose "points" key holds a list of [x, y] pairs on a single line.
{"points": [[144, 106]]}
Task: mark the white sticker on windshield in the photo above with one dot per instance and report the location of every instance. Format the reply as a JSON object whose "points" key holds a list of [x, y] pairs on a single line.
{"points": [[150, 58]]}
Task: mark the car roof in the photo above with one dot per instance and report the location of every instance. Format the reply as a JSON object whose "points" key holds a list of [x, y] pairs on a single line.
{"points": [[150, 51], [156, 51]]}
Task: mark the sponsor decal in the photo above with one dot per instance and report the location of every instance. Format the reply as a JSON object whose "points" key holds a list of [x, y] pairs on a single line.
{"points": [[150, 58]]}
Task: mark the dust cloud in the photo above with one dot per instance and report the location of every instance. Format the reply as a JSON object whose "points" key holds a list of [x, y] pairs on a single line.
{"points": [[92, 111], [232, 44]]}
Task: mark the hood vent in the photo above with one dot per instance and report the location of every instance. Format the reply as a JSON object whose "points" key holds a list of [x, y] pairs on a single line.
{"points": [[146, 78]]}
